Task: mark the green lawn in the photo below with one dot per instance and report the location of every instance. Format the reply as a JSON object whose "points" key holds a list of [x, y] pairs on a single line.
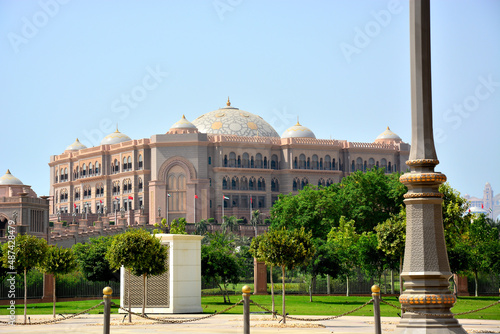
{"points": [[296, 305]]}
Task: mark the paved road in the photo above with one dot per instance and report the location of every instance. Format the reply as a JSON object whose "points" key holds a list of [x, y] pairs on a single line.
{"points": [[224, 324]]}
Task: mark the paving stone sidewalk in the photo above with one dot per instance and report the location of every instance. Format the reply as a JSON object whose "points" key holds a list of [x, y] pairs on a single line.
{"points": [[225, 324]]}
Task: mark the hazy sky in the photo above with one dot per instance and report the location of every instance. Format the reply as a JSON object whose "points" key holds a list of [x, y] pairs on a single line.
{"points": [[76, 68]]}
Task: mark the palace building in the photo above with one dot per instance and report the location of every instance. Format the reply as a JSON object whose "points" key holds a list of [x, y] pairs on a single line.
{"points": [[228, 161]]}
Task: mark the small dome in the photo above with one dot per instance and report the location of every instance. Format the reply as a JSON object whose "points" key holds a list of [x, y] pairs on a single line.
{"points": [[233, 121], [115, 138], [183, 123], [298, 131], [388, 136], [76, 146], [9, 179]]}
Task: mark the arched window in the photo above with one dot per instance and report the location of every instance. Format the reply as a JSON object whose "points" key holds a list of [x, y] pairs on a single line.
{"points": [[329, 182], [308, 166], [91, 169], [274, 162], [296, 184], [371, 163], [328, 162], [124, 166], [127, 186], [251, 183], [97, 170], [321, 163], [376, 164], [302, 161], [275, 185], [99, 190], [359, 164], [140, 185], [77, 194], [333, 165], [140, 162], [353, 166], [235, 184], [117, 166], [265, 162], [77, 172], [66, 174], [57, 177], [304, 183], [383, 164], [261, 184], [295, 163], [252, 164], [232, 159], [364, 166], [116, 188], [321, 182], [315, 164], [238, 163], [129, 163], [258, 160], [225, 161], [225, 183], [245, 161], [243, 183]]}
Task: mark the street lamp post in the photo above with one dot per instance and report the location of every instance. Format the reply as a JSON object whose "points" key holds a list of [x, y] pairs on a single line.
{"points": [[426, 269]]}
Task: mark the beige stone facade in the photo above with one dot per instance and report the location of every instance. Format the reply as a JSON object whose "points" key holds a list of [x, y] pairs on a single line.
{"points": [[226, 157]]}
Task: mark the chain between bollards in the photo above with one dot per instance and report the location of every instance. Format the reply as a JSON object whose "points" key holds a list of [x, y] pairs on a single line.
{"points": [[107, 291], [376, 308], [246, 309]]}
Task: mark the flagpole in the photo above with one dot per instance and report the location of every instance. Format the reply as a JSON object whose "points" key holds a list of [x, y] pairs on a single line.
{"points": [[223, 202]]}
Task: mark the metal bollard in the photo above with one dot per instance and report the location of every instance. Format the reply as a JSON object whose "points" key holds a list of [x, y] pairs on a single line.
{"points": [[107, 291], [376, 308], [246, 309]]}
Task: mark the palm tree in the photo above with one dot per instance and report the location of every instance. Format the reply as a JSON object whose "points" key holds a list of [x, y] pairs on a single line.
{"points": [[229, 224], [201, 227], [255, 220]]}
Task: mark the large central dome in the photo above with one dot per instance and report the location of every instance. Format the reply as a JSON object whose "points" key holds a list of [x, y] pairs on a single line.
{"points": [[233, 121]]}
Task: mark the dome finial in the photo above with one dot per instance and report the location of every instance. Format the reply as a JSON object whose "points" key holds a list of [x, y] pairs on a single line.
{"points": [[8, 171], [183, 117], [297, 121], [117, 128], [228, 103], [388, 128]]}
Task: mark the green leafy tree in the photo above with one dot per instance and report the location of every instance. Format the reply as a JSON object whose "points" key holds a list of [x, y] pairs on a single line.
{"points": [[141, 253], [201, 227], [3, 270], [162, 227], [370, 198], [391, 236], [371, 258], [254, 250], [92, 262], [178, 226], [324, 262], [344, 239], [314, 209], [287, 249], [26, 252], [58, 261], [219, 262]]}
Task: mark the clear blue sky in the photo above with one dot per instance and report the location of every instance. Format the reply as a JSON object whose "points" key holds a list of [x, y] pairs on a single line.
{"points": [[343, 67]]}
